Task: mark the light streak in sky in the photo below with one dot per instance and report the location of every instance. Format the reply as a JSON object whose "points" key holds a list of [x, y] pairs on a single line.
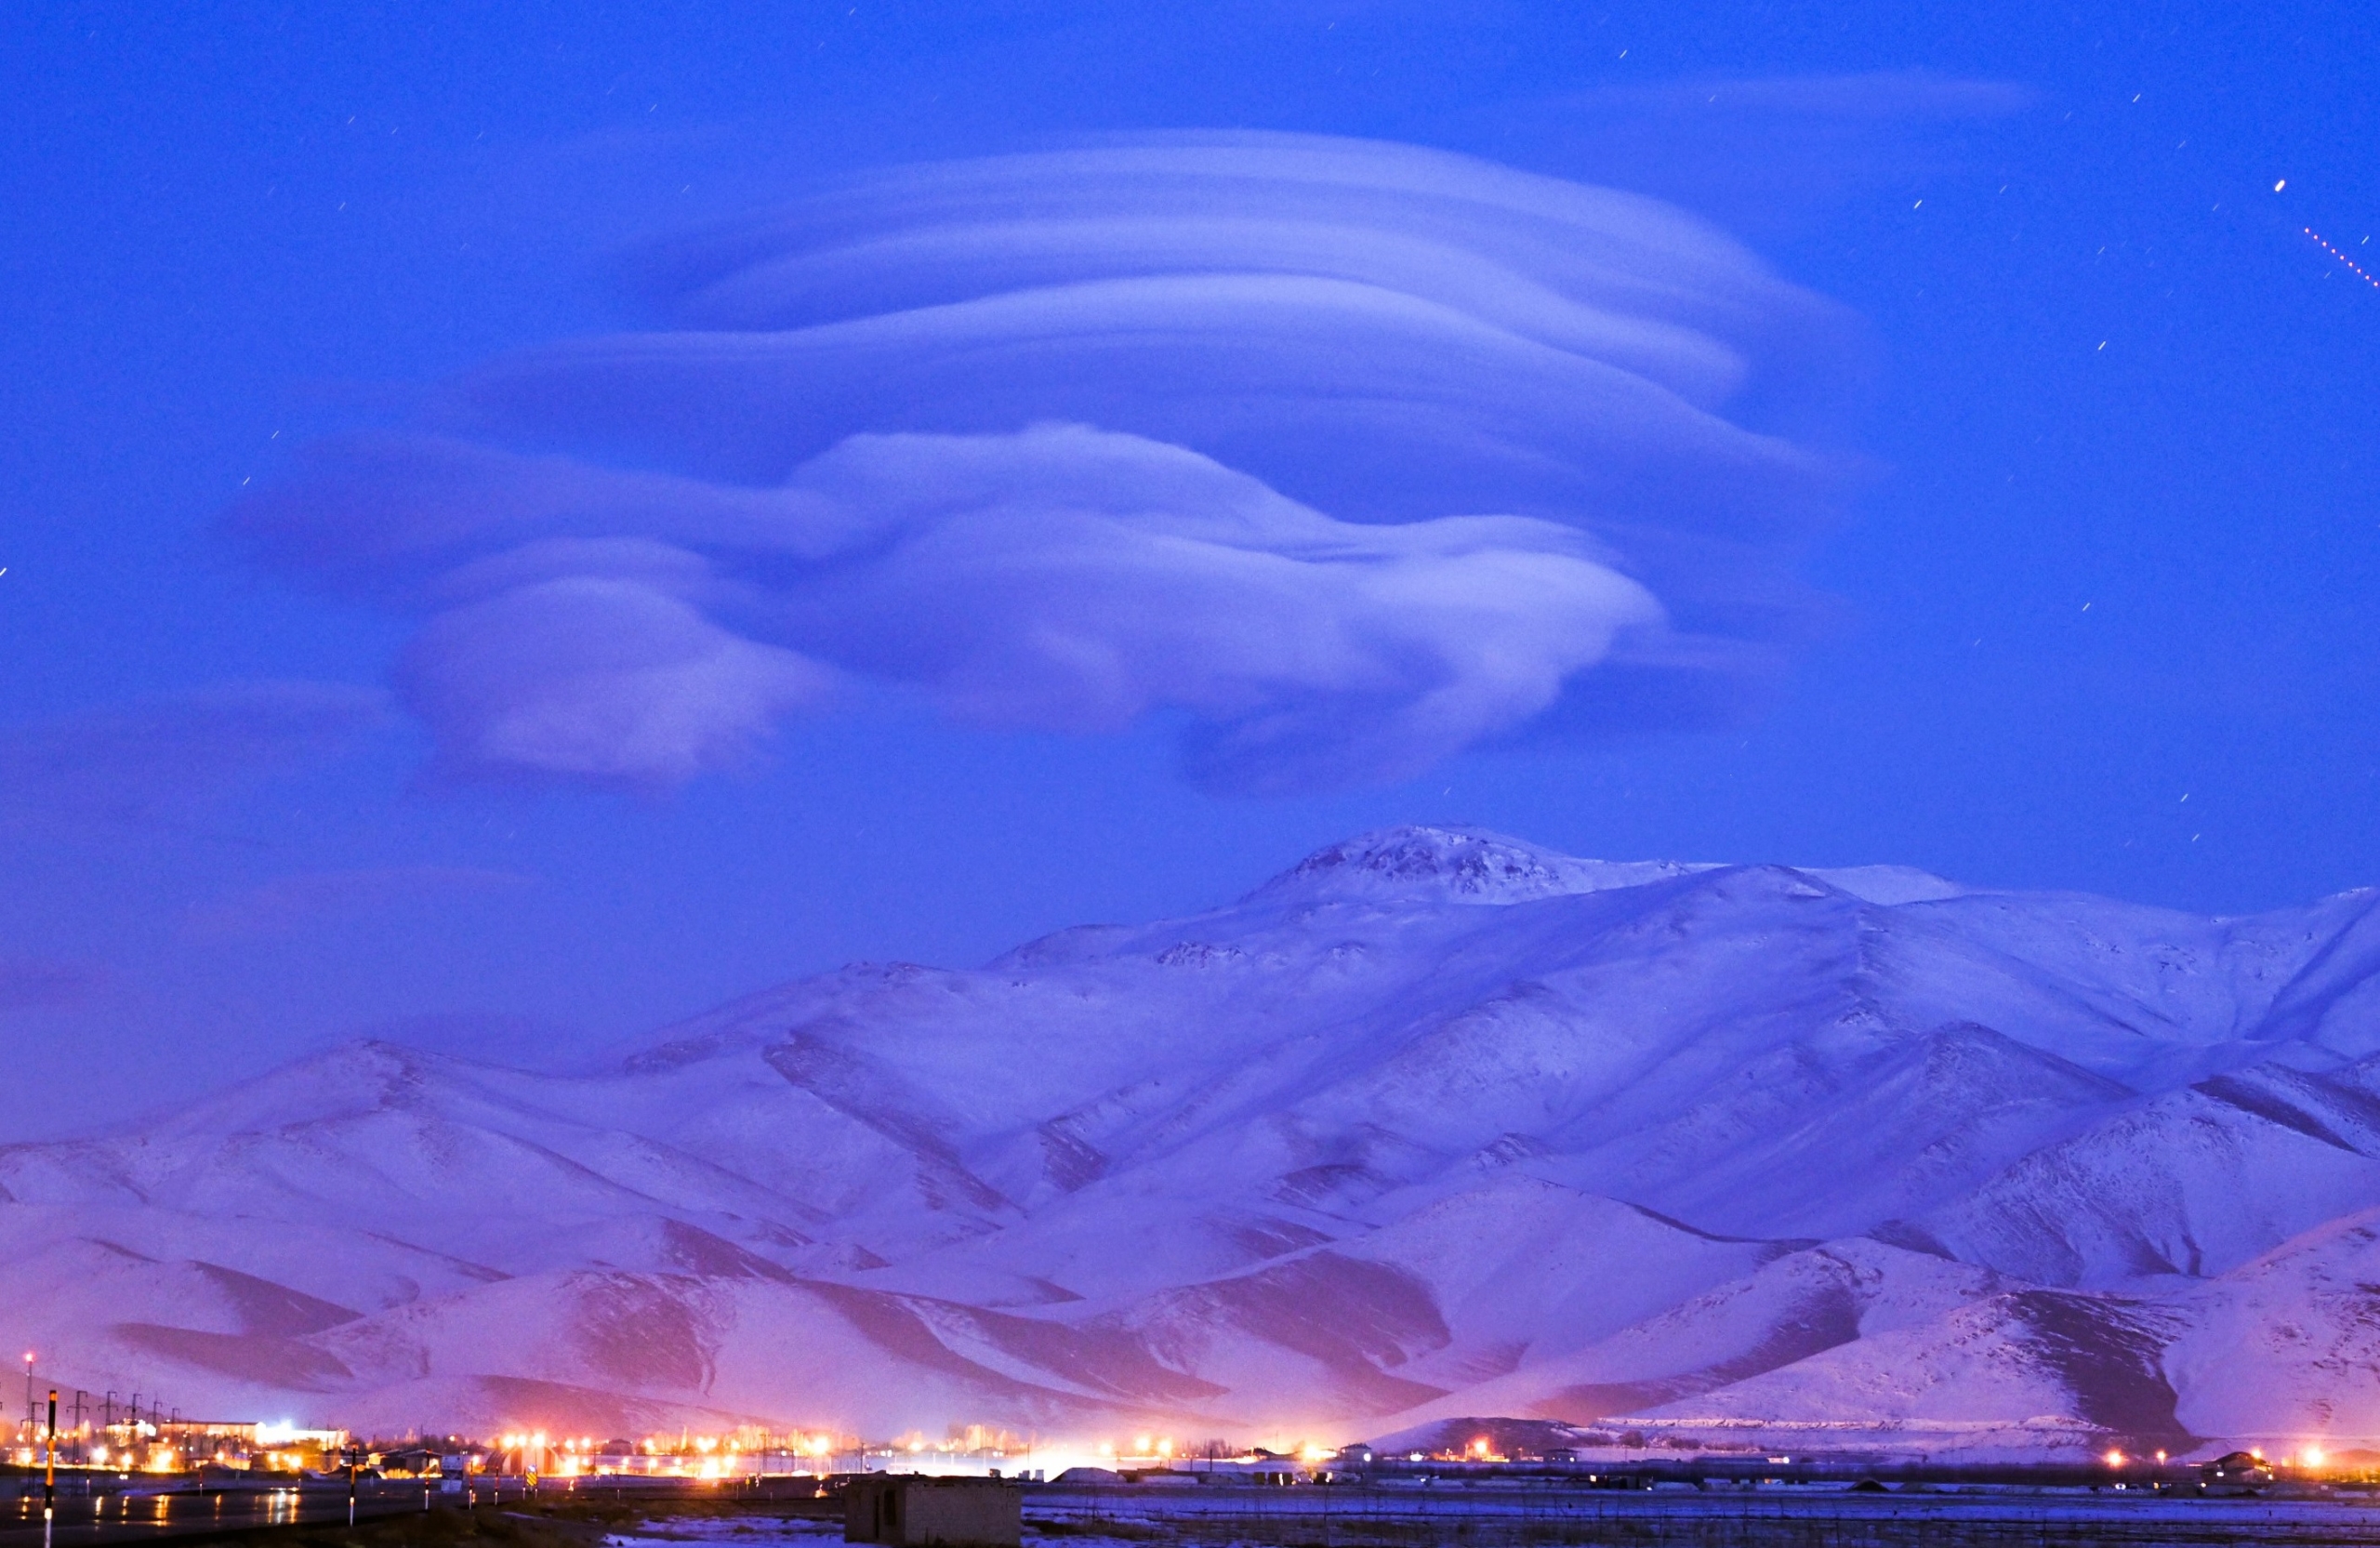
{"points": [[2353, 267]]}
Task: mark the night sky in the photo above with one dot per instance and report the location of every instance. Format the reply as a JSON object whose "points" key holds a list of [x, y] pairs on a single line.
{"points": [[523, 521]]}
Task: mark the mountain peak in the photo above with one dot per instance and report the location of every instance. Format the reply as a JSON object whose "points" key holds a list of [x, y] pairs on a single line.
{"points": [[1456, 865]]}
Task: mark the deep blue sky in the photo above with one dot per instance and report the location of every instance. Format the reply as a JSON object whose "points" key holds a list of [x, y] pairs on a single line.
{"points": [[2097, 364]]}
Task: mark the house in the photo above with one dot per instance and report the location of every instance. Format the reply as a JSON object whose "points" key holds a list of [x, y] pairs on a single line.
{"points": [[914, 1510]]}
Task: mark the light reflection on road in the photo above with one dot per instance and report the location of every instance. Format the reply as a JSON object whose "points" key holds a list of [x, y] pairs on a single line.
{"points": [[132, 1514]]}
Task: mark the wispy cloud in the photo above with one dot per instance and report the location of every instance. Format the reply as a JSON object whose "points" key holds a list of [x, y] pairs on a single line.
{"points": [[1760, 153], [34, 984], [1896, 98], [154, 762], [287, 905], [1351, 454]]}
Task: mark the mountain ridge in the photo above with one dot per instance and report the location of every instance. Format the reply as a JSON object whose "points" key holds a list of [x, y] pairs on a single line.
{"points": [[1434, 1123]]}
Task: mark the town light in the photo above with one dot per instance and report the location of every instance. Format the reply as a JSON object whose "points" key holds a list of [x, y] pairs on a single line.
{"points": [[2115, 1458]]}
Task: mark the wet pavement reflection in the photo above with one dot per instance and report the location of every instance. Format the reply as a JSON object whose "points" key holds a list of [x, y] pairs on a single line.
{"points": [[129, 1514]]}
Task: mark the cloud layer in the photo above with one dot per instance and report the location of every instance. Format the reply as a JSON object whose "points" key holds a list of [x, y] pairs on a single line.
{"points": [[1349, 455], [155, 761], [1767, 155], [291, 905], [36, 984]]}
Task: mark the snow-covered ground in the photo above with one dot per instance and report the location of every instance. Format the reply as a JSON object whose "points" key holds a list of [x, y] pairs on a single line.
{"points": [[1435, 1124], [1761, 1519]]}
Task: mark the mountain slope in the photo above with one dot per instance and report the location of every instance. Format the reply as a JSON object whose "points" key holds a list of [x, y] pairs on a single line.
{"points": [[1435, 1124]]}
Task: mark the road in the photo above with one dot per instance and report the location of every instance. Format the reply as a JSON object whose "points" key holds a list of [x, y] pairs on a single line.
{"points": [[138, 1515]]}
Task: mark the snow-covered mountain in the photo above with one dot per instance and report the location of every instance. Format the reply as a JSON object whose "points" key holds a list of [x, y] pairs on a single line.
{"points": [[1435, 1124]]}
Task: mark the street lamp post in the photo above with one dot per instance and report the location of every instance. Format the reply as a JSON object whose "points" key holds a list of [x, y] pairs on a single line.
{"points": [[49, 1474]]}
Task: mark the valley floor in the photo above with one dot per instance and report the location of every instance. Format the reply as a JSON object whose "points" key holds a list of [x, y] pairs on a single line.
{"points": [[1797, 1518], [1367, 1517]]}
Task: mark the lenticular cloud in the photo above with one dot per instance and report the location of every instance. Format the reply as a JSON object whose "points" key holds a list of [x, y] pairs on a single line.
{"points": [[1349, 455]]}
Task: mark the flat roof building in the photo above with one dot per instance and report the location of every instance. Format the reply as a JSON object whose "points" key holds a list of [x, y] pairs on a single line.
{"points": [[914, 1510]]}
